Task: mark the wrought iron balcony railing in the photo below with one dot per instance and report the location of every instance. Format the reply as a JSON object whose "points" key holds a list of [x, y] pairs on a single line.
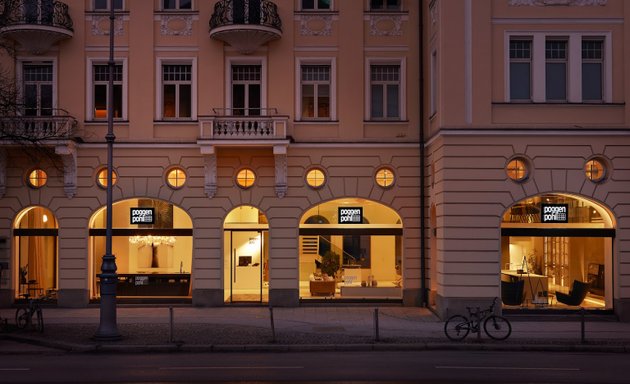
{"points": [[253, 12], [35, 12], [229, 124], [245, 24], [58, 126]]}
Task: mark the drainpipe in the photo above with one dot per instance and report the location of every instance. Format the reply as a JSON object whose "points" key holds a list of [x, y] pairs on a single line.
{"points": [[423, 289]]}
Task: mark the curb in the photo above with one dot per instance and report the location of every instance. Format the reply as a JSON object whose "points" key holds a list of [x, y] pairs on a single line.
{"points": [[66, 347]]}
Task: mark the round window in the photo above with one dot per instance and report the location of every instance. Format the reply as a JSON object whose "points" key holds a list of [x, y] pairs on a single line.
{"points": [[245, 178], [101, 178], [384, 177], [37, 178], [517, 169], [176, 177], [595, 170], [315, 178]]}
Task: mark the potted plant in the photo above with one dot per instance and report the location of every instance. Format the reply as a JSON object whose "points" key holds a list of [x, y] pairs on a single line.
{"points": [[330, 263]]}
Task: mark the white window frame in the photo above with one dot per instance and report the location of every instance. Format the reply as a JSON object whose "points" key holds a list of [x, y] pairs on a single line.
{"points": [[601, 61], [109, 4], [255, 60], [19, 72], [433, 90], [89, 92], [316, 8], [332, 62], [177, 7], [192, 61], [574, 65], [402, 89]]}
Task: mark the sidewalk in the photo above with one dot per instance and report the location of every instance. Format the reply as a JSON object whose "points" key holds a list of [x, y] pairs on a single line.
{"points": [[147, 329]]}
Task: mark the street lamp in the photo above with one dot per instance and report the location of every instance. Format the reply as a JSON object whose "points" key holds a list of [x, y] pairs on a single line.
{"points": [[108, 328]]}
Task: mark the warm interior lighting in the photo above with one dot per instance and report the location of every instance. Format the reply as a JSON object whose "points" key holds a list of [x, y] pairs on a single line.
{"points": [[45, 218], [153, 240]]}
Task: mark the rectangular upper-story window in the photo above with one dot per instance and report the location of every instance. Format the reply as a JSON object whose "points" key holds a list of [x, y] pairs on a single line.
{"points": [[176, 91], [556, 70], [176, 4], [385, 88], [385, 5], [316, 5], [520, 69], [38, 88], [315, 80], [104, 5], [100, 95], [559, 67], [592, 69]]}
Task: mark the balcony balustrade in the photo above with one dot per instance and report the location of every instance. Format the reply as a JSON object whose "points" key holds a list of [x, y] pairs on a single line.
{"points": [[228, 124], [58, 126], [35, 24], [246, 25]]}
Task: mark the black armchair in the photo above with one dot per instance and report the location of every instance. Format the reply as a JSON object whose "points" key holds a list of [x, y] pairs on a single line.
{"points": [[576, 294], [512, 292]]}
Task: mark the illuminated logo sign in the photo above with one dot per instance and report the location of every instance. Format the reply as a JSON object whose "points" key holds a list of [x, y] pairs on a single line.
{"points": [[142, 215], [350, 215], [555, 213]]}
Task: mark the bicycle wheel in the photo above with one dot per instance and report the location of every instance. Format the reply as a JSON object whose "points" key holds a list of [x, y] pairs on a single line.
{"points": [[21, 317], [497, 327], [456, 327], [39, 324]]}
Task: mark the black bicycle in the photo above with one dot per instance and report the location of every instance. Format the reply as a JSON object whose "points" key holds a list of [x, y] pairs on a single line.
{"points": [[31, 315], [457, 327]]}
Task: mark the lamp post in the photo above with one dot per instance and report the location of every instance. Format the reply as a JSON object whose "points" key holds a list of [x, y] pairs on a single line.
{"points": [[108, 328]]}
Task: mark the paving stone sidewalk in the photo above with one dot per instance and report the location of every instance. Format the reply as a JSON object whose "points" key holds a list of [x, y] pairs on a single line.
{"points": [[148, 329]]}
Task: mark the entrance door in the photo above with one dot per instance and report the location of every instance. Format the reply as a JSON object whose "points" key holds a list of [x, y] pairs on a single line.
{"points": [[38, 89], [245, 265]]}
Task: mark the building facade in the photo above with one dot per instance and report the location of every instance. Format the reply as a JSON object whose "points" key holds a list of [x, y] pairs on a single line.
{"points": [[527, 146], [265, 151]]}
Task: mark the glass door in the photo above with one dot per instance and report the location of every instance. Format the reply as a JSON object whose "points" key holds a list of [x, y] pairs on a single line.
{"points": [[245, 264]]}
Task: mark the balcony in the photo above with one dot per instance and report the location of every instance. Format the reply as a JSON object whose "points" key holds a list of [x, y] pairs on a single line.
{"points": [[35, 24], [246, 25], [33, 129], [229, 124]]}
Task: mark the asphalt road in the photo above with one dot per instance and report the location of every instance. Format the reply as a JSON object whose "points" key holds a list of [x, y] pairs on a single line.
{"points": [[331, 367]]}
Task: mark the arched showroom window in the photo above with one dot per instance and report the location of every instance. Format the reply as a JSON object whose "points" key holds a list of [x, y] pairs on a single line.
{"points": [[351, 248], [152, 241], [557, 252]]}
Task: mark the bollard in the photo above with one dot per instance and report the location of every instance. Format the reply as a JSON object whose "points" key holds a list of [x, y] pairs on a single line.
{"points": [[170, 314], [273, 326], [376, 333], [583, 333]]}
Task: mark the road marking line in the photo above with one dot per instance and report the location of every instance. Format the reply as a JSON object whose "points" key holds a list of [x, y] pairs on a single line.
{"points": [[15, 369], [225, 367], [509, 368]]}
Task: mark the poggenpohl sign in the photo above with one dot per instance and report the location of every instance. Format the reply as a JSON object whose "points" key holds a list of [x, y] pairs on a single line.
{"points": [[350, 215], [554, 213], [142, 215]]}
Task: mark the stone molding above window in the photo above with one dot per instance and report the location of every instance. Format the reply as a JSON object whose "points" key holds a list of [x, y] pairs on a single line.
{"points": [[570, 3], [100, 26], [316, 25], [386, 25], [176, 25]]}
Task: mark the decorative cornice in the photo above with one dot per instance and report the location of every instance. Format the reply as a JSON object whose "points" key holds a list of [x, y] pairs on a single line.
{"points": [[100, 26], [309, 24], [68, 155], [210, 171], [434, 12], [176, 25], [280, 156], [379, 25], [569, 3]]}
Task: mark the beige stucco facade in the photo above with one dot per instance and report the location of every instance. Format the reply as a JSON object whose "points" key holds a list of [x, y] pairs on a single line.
{"points": [[475, 127], [347, 144]]}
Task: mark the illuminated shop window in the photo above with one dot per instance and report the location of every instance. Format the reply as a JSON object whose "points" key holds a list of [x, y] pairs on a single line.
{"points": [[175, 178], [595, 170], [385, 177], [315, 178], [245, 178], [101, 178], [37, 178], [517, 169]]}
